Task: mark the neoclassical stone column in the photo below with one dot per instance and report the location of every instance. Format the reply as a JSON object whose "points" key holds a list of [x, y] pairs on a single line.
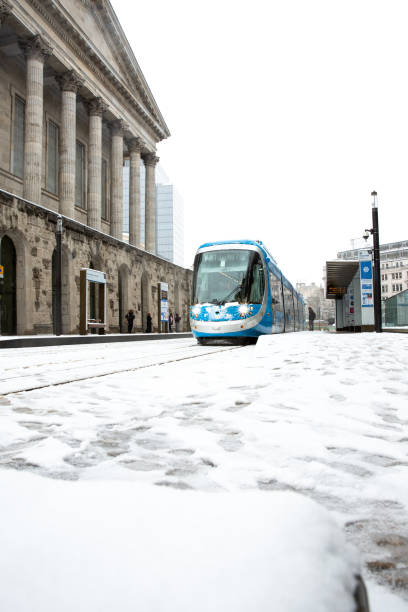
{"points": [[96, 109], [135, 147], [36, 51], [150, 161], [69, 83], [116, 227], [5, 11]]}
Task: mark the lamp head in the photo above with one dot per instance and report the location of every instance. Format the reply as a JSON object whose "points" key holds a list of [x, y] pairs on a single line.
{"points": [[374, 196]]}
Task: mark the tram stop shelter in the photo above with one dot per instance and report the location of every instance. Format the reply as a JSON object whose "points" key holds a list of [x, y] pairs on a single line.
{"points": [[350, 283]]}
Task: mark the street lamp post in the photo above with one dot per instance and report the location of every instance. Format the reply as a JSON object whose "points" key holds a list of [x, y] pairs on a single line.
{"points": [[376, 261], [58, 277]]}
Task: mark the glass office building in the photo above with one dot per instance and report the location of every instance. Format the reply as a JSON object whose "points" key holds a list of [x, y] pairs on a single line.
{"points": [[169, 214]]}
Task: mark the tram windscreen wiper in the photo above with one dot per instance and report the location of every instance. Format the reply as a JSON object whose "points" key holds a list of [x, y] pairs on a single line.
{"points": [[230, 295]]}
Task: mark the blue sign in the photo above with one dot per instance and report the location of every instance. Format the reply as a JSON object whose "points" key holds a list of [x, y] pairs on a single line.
{"points": [[366, 270], [366, 282]]}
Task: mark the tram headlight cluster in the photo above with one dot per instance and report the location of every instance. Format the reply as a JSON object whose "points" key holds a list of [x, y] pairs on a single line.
{"points": [[243, 310], [195, 311]]}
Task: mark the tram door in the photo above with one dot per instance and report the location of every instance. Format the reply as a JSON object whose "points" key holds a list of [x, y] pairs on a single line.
{"points": [[8, 302]]}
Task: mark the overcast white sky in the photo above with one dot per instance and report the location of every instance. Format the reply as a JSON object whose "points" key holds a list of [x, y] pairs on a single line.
{"points": [[284, 116]]}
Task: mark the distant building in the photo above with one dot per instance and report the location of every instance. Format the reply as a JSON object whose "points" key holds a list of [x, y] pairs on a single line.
{"points": [[394, 266], [315, 298], [169, 215]]}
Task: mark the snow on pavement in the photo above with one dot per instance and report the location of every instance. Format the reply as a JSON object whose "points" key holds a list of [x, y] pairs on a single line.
{"points": [[320, 414], [99, 547]]}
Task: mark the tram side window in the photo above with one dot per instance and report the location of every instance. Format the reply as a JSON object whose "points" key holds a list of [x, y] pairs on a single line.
{"points": [[296, 313], [276, 292], [288, 306], [299, 315], [257, 289]]}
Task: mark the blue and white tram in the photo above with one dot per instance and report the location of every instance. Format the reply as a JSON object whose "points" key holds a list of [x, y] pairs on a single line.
{"points": [[239, 293]]}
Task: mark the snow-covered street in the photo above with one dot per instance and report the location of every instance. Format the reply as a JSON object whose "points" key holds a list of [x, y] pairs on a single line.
{"points": [[321, 414]]}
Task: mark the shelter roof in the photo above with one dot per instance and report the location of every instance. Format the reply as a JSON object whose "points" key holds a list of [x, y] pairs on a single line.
{"points": [[339, 274]]}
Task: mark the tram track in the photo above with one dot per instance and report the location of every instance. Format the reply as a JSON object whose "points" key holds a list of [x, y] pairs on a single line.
{"points": [[159, 361]]}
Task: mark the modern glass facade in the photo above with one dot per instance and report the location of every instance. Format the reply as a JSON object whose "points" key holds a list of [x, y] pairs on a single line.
{"points": [[169, 214], [395, 310]]}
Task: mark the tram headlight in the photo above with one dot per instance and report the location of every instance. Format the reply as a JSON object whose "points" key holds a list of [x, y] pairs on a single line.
{"points": [[243, 310], [196, 311]]}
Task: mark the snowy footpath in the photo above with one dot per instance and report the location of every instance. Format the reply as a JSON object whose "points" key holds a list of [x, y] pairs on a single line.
{"points": [[178, 427]]}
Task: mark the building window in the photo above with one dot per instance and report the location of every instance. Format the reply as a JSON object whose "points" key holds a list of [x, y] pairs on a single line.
{"points": [[52, 157], [104, 190], [399, 274], [80, 175], [393, 276], [18, 137]]}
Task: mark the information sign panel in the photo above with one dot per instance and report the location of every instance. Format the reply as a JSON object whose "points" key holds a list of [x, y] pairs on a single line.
{"points": [[95, 276], [164, 301], [366, 283]]}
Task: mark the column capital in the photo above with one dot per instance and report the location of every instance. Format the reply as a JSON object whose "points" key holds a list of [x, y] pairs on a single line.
{"points": [[118, 127], [36, 47], [135, 145], [5, 11], [97, 106], [70, 81], [150, 159]]}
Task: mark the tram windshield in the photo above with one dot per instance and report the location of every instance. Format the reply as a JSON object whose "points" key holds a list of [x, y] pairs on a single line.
{"points": [[228, 276]]}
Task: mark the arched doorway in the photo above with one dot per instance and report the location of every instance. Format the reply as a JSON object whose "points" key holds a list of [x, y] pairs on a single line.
{"points": [[123, 296], [92, 297], [8, 302], [145, 298], [65, 293], [120, 300], [54, 290]]}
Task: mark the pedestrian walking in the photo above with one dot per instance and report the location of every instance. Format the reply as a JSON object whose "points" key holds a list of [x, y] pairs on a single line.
{"points": [[171, 320], [177, 320], [149, 323], [312, 316], [130, 316]]}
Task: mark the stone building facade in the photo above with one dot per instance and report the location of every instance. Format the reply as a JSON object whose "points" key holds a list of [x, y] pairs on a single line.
{"points": [[73, 105]]}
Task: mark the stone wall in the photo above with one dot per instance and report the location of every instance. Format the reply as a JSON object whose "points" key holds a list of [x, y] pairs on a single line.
{"points": [[129, 270]]}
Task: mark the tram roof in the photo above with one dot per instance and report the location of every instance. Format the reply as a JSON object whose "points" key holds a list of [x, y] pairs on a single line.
{"points": [[257, 243], [221, 242]]}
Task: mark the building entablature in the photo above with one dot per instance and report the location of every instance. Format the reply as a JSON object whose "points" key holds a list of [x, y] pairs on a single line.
{"points": [[122, 86]]}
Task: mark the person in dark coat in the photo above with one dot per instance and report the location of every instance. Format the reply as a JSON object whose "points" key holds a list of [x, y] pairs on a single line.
{"points": [[312, 316], [171, 320], [177, 320], [149, 323], [130, 316]]}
